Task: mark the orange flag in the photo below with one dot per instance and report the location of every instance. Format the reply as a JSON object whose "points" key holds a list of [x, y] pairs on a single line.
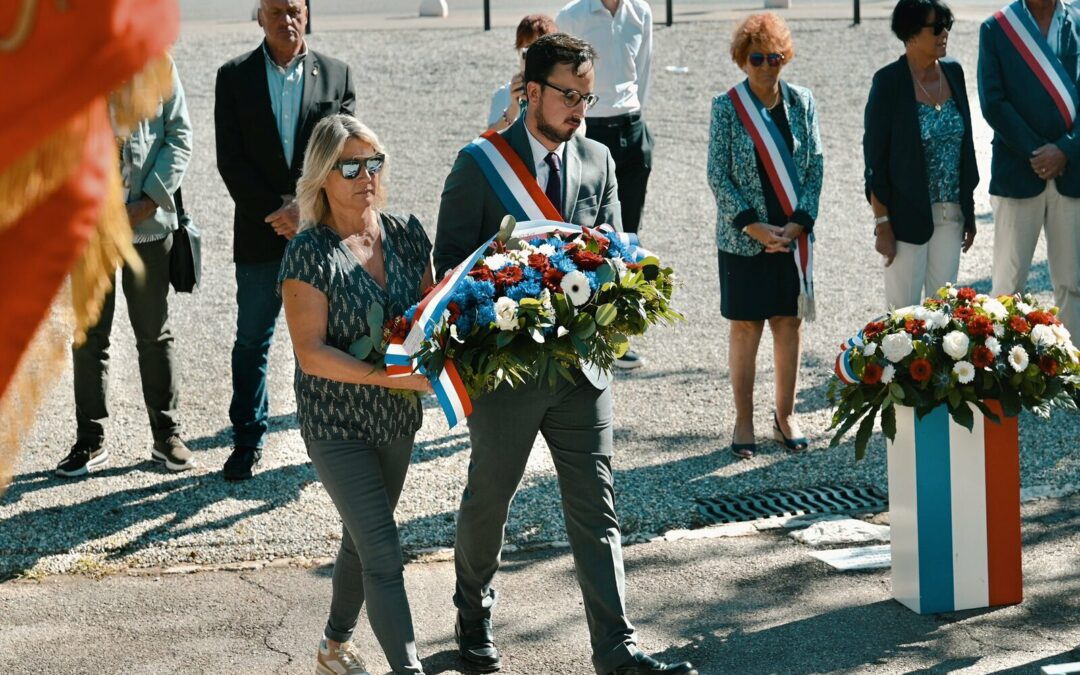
{"points": [[60, 202]]}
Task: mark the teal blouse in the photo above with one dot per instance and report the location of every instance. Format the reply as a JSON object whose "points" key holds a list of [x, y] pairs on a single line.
{"points": [[335, 411], [942, 135]]}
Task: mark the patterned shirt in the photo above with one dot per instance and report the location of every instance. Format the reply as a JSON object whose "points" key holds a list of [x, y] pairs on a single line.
{"points": [[942, 136], [334, 411]]}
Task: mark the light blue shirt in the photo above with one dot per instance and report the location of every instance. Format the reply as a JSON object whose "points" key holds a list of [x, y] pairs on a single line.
{"points": [[286, 87], [1053, 34]]}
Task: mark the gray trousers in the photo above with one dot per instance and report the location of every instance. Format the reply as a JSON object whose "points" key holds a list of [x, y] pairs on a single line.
{"points": [[576, 422], [364, 483], [148, 308]]}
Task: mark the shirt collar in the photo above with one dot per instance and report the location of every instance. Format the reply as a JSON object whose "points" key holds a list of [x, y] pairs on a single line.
{"points": [[1059, 10], [539, 151], [270, 58], [597, 6]]}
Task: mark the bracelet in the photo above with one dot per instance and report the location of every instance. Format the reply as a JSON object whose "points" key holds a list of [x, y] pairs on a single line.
{"points": [[881, 220]]}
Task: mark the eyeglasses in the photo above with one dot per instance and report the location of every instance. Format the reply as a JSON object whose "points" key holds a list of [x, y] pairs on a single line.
{"points": [[774, 59], [572, 97], [940, 25], [350, 168]]}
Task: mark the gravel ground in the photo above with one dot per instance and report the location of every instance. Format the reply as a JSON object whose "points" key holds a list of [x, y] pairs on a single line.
{"points": [[426, 93]]}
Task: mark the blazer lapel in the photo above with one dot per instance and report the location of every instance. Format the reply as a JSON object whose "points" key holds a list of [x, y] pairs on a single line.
{"points": [[518, 138], [259, 96], [312, 73], [954, 86]]}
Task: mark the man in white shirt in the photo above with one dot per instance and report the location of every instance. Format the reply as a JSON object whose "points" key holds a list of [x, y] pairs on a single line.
{"points": [[621, 33]]}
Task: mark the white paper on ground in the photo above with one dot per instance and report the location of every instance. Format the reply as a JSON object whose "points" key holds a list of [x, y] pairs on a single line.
{"points": [[858, 558], [1062, 668]]}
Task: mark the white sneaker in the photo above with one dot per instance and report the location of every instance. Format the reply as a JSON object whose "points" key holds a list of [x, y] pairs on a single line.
{"points": [[341, 661]]}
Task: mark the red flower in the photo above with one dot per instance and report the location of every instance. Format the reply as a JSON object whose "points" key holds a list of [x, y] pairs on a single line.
{"points": [[966, 294], [586, 260], [1048, 365], [982, 357], [483, 273], [1040, 317], [508, 276], [398, 327], [538, 261], [873, 329], [872, 373], [963, 313], [602, 242], [921, 370], [1018, 324], [915, 326], [552, 277], [455, 311], [981, 325], [934, 302]]}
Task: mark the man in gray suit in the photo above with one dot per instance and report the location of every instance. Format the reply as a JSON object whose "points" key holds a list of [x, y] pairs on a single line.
{"points": [[578, 177]]}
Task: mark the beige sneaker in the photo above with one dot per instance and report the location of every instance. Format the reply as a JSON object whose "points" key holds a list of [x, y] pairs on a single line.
{"points": [[341, 661]]}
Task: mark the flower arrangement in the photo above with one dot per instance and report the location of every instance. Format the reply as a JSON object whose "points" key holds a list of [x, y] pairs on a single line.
{"points": [[536, 306], [960, 349]]}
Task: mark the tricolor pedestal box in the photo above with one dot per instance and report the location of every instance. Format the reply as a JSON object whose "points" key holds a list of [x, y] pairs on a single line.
{"points": [[954, 510]]}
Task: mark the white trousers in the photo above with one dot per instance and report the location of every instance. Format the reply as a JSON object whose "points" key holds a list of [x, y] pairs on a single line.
{"points": [[919, 270], [1017, 223]]}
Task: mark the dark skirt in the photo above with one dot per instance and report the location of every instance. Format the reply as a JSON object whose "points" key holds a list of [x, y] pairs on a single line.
{"points": [[758, 287]]}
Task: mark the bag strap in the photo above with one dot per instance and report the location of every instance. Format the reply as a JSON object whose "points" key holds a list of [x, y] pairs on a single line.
{"points": [[178, 197]]}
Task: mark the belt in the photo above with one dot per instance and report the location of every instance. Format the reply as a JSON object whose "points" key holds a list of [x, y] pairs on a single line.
{"points": [[615, 120]]}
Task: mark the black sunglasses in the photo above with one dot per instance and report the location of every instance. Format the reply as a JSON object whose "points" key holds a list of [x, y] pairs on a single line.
{"points": [[774, 59], [572, 97], [940, 25], [350, 168]]}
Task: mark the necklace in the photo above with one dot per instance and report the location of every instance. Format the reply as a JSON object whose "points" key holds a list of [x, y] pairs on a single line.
{"points": [[936, 102]]}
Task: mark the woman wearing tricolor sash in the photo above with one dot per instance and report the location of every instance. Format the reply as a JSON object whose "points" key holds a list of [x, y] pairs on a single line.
{"points": [[348, 257], [765, 169], [920, 158]]}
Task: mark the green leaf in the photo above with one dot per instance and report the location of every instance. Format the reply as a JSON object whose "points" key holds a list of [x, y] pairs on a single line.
{"points": [[375, 317], [954, 399], [503, 338], [619, 344], [963, 416], [584, 327], [888, 422], [361, 349], [862, 436], [605, 314], [580, 346], [506, 229], [896, 391], [536, 335], [605, 274], [987, 412]]}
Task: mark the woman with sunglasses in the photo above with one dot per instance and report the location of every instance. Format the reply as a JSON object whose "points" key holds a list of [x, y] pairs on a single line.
{"points": [[506, 103], [347, 257], [920, 158], [762, 226]]}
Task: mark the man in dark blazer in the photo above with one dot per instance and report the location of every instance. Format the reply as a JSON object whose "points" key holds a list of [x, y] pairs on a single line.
{"points": [[578, 176], [266, 104], [1034, 172]]}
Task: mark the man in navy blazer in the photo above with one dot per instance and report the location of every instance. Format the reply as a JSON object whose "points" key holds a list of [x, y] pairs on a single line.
{"points": [[1034, 174], [266, 104]]}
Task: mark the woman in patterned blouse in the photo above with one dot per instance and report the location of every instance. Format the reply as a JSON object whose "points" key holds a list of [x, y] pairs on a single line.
{"points": [[759, 280], [920, 157], [348, 257]]}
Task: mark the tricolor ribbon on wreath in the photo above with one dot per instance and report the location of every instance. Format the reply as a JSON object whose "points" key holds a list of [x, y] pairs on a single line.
{"points": [[523, 199], [1029, 42], [780, 168]]}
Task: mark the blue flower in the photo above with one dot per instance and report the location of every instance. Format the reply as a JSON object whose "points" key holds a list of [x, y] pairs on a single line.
{"points": [[485, 313], [524, 289], [591, 276], [562, 262]]}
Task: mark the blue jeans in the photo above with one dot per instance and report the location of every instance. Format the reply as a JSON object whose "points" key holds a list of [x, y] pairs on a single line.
{"points": [[257, 309]]}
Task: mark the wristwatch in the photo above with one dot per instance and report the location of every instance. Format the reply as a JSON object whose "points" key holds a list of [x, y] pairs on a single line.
{"points": [[881, 220]]}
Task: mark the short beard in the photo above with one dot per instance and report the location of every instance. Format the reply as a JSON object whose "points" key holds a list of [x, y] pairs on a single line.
{"points": [[550, 132]]}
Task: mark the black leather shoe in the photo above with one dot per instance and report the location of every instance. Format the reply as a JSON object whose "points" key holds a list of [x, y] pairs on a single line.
{"points": [[241, 462], [476, 644], [643, 664]]}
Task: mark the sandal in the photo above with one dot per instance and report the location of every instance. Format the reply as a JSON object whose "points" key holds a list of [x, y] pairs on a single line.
{"points": [[743, 450], [793, 445]]}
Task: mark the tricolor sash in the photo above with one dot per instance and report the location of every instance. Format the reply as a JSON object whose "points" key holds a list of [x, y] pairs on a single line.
{"points": [[1025, 36], [780, 168], [511, 180]]}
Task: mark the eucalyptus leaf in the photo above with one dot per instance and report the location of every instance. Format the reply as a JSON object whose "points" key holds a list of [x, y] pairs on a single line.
{"points": [[375, 318], [361, 349]]}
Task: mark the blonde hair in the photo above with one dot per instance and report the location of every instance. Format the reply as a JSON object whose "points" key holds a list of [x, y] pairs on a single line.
{"points": [[766, 29], [323, 150]]}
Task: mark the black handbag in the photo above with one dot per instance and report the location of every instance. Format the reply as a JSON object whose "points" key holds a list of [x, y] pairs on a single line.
{"points": [[185, 260]]}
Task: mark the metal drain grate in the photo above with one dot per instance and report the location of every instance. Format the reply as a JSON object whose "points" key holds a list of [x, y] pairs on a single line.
{"points": [[771, 503]]}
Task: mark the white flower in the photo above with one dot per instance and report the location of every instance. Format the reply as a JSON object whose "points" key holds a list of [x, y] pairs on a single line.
{"points": [[999, 329], [496, 261], [1043, 335], [546, 249], [506, 313], [620, 266], [965, 372], [1062, 334], [545, 302], [888, 373], [994, 346], [561, 331], [952, 291], [939, 319], [870, 349], [1018, 358], [956, 344], [980, 297], [901, 313], [896, 346], [1024, 308], [921, 313], [518, 257], [994, 308], [576, 287]]}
